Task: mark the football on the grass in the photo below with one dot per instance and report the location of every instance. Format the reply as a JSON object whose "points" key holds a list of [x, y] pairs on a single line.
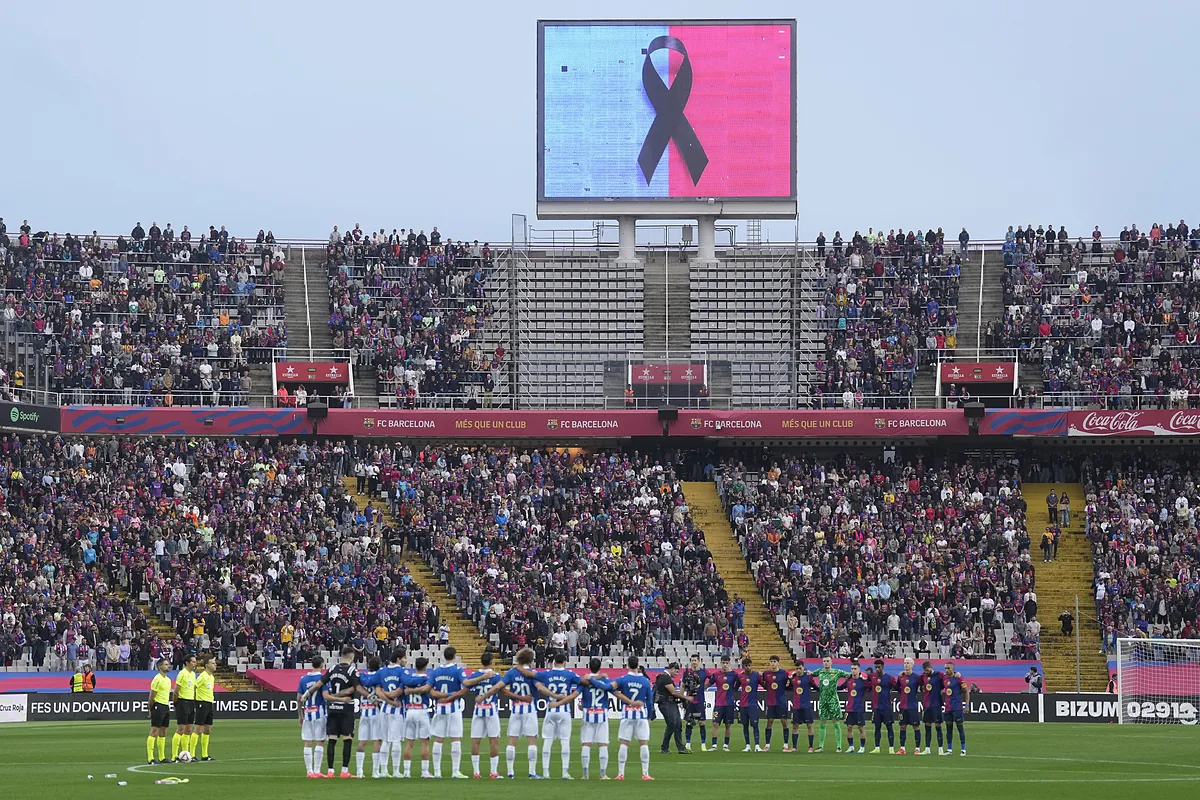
{"points": [[185, 756]]}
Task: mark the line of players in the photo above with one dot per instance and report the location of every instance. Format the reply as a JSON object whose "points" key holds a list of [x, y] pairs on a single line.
{"points": [[940, 698], [400, 707]]}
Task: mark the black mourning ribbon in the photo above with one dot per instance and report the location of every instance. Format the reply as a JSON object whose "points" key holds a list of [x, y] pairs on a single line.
{"points": [[669, 121]]}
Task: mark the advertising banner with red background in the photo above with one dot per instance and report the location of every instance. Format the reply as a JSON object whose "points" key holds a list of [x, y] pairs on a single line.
{"points": [[978, 372], [490, 424], [792, 424], [1182, 422], [336, 372], [665, 374]]}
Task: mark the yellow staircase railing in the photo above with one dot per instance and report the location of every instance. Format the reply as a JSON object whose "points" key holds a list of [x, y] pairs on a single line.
{"points": [[464, 636], [1057, 585], [704, 503]]}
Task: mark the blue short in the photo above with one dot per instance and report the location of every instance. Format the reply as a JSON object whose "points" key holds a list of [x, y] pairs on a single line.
{"points": [[802, 714], [725, 714], [933, 715], [749, 713], [910, 716], [954, 716], [778, 712], [856, 718], [884, 716]]}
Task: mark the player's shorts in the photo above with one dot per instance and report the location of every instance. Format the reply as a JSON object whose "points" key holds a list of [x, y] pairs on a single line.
{"points": [[725, 714], [557, 725], [910, 716], [631, 729], [594, 733], [160, 715], [856, 718], [884, 716], [313, 730], [802, 714], [748, 714], [185, 712], [485, 727], [204, 712], [523, 725], [953, 716], [372, 728], [932, 715], [778, 712], [339, 724], [448, 726], [394, 727], [416, 724]]}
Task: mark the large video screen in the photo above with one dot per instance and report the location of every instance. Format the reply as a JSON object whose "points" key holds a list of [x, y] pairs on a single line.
{"points": [[662, 110]]}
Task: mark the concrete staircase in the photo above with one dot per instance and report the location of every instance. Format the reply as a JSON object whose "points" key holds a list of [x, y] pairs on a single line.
{"points": [[968, 305], [464, 636], [667, 303], [924, 388], [228, 679], [1058, 583], [705, 506]]}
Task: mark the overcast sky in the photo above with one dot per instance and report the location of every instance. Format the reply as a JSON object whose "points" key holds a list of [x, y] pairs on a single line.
{"points": [[298, 115]]}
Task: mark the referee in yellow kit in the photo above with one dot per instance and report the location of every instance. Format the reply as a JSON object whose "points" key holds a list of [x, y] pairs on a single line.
{"points": [[160, 713], [205, 681], [185, 708]]}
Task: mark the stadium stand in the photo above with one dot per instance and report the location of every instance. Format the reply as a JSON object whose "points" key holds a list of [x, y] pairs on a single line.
{"points": [[831, 542]]}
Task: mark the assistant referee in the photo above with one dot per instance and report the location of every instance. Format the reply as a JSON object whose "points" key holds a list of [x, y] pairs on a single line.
{"points": [[185, 708], [206, 679], [160, 713]]}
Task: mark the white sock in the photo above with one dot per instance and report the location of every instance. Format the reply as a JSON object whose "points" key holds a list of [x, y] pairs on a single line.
{"points": [[318, 759], [495, 762], [645, 759], [397, 754], [308, 760], [378, 763], [510, 755], [474, 764], [359, 758], [407, 767], [585, 756], [532, 752], [603, 759], [424, 766], [546, 746], [455, 756], [566, 756], [437, 759], [622, 756]]}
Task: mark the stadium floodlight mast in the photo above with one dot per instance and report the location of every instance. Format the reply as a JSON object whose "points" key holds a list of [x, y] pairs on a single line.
{"points": [[1158, 681]]}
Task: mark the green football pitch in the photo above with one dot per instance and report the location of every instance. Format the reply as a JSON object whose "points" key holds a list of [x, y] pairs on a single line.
{"points": [[264, 759]]}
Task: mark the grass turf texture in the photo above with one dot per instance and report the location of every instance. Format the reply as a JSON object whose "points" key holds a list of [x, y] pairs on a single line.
{"points": [[264, 759]]}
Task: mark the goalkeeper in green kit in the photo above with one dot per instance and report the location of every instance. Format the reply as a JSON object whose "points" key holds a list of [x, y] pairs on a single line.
{"points": [[829, 709]]}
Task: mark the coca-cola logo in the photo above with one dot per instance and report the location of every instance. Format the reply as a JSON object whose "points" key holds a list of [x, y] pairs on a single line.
{"points": [[1116, 422], [1181, 421]]}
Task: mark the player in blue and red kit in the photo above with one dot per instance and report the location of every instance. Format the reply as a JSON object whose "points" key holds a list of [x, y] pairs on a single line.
{"points": [[932, 683], [748, 701], [881, 685], [725, 705], [775, 681], [958, 700], [857, 691], [908, 685], [802, 683]]}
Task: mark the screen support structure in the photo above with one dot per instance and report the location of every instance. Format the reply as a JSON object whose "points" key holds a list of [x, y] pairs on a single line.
{"points": [[706, 228]]}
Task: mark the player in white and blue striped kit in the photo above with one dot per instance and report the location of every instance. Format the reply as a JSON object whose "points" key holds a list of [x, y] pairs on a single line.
{"points": [[451, 680], [485, 719], [596, 693], [392, 711], [312, 719], [559, 713], [635, 692], [371, 725]]}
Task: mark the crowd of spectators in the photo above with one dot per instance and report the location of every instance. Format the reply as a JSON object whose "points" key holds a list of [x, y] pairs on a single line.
{"points": [[1142, 521], [884, 298], [153, 318], [858, 553], [410, 307], [597, 552], [233, 541], [1113, 323]]}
